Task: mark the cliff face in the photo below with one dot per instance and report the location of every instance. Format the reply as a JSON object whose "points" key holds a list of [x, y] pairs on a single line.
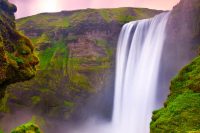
{"points": [[181, 109], [17, 61], [75, 76]]}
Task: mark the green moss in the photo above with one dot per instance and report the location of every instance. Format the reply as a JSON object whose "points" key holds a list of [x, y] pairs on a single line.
{"points": [[22, 21], [3, 105], [49, 57], [35, 99], [21, 106], [79, 80], [34, 40], [65, 22], [182, 109], [43, 39], [71, 38], [46, 56], [102, 43], [16, 58], [45, 90], [27, 128], [67, 115], [54, 22], [21, 32], [38, 120], [69, 103], [122, 18]]}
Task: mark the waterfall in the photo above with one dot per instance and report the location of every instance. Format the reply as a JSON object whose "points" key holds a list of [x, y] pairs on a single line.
{"points": [[138, 55]]}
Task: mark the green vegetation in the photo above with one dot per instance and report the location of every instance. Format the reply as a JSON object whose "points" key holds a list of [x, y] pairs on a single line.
{"points": [[53, 22], [27, 128], [181, 112], [45, 90], [38, 120], [3, 106], [35, 99], [21, 106], [47, 56], [16, 58], [69, 103], [116, 14], [43, 39]]}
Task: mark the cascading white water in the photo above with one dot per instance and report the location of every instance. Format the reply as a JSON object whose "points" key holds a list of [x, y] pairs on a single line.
{"points": [[138, 55]]}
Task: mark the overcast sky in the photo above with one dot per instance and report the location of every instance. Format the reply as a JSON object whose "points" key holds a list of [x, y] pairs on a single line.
{"points": [[32, 7]]}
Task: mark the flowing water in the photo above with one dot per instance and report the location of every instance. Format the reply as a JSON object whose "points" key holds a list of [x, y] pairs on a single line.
{"points": [[138, 56]]}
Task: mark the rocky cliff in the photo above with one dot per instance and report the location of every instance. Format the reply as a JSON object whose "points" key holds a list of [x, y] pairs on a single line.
{"points": [[17, 60], [181, 109], [75, 76]]}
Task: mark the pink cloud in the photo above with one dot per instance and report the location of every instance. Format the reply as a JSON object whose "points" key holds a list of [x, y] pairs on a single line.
{"points": [[32, 7]]}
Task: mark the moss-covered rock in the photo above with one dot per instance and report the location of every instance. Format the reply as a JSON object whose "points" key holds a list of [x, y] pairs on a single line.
{"points": [[17, 61], [27, 128], [181, 109]]}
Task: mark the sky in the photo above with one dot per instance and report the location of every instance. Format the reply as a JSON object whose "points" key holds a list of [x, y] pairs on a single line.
{"points": [[32, 7]]}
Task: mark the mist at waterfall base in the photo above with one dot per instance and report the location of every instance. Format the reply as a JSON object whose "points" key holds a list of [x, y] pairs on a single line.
{"points": [[139, 51]]}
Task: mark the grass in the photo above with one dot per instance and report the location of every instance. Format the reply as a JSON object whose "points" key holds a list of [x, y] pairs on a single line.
{"points": [[54, 22]]}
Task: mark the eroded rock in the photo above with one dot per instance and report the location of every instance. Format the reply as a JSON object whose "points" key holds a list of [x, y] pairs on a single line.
{"points": [[17, 60]]}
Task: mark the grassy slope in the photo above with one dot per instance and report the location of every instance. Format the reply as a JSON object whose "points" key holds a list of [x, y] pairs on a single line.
{"points": [[54, 20]]}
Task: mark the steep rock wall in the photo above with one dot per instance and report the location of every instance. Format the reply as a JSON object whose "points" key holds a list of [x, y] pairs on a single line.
{"points": [[17, 60], [181, 109]]}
